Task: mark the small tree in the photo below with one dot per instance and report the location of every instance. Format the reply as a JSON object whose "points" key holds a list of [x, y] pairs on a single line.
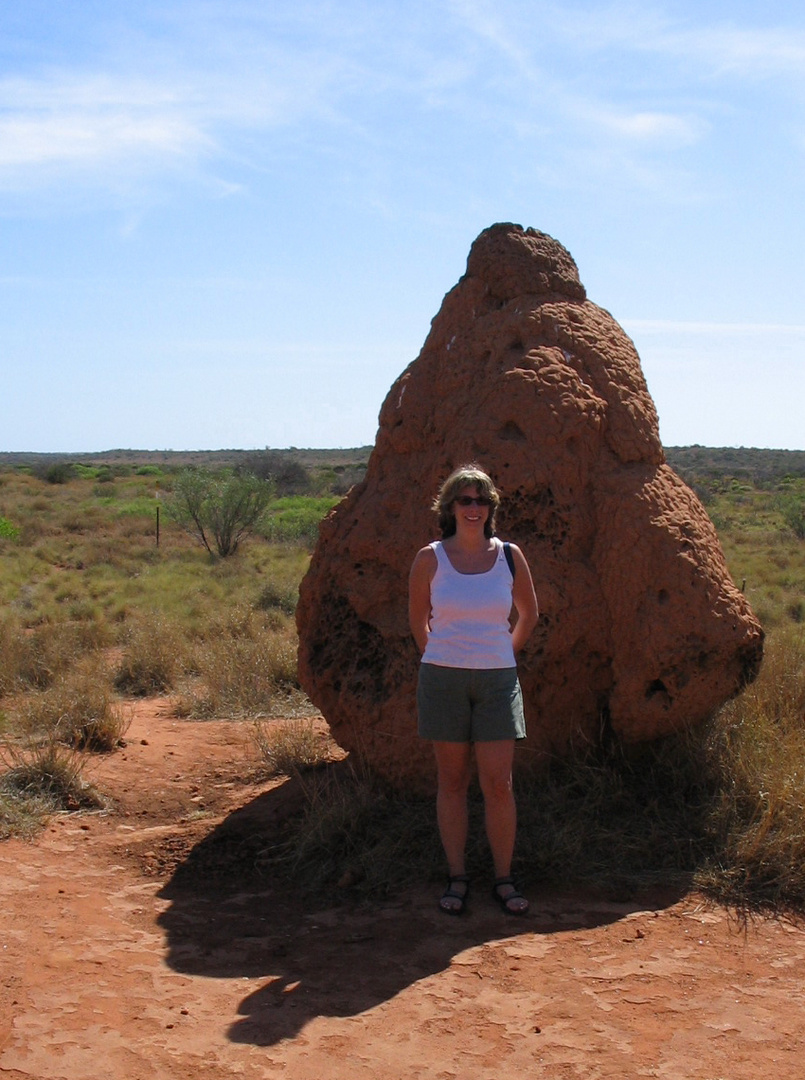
{"points": [[793, 511], [219, 508], [289, 476]]}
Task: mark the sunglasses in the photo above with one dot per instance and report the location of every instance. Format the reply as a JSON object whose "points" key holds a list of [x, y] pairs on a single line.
{"points": [[477, 500]]}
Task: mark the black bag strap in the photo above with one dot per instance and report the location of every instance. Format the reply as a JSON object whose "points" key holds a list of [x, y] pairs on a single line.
{"points": [[507, 551]]}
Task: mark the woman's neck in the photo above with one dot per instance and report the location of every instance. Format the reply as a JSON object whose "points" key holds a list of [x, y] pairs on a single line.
{"points": [[470, 540]]}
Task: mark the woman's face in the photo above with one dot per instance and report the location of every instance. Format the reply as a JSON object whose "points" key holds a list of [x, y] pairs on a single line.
{"points": [[473, 515]]}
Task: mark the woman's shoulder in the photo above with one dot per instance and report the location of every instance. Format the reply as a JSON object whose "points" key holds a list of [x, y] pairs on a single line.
{"points": [[427, 554], [423, 568]]}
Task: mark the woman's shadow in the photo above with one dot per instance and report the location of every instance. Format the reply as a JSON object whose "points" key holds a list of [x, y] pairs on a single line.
{"points": [[334, 957]]}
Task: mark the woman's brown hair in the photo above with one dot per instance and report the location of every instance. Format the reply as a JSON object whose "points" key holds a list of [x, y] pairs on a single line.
{"points": [[465, 476]]}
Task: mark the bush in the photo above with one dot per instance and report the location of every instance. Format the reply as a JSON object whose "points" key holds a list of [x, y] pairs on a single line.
{"points": [[38, 780], [248, 668], [296, 520], [59, 472], [288, 476], [274, 597], [78, 711], [792, 507], [354, 831], [290, 747], [758, 839], [7, 530], [151, 658], [218, 508], [34, 659]]}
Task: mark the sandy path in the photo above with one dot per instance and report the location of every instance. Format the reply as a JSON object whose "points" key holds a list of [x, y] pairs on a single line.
{"points": [[108, 969]]}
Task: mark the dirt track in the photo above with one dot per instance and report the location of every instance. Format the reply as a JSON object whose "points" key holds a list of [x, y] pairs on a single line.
{"points": [[113, 966]]}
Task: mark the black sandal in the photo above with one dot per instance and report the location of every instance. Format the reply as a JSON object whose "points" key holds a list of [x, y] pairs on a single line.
{"points": [[451, 894], [504, 901]]}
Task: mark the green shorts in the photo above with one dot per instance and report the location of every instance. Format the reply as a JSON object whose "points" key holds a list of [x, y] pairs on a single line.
{"points": [[469, 705]]}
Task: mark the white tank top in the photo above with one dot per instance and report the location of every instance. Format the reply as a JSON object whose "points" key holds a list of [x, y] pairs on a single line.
{"points": [[469, 623]]}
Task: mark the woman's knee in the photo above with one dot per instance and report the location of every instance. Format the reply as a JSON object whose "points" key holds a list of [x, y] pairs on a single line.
{"points": [[497, 787], [453, 767], [495, 769]]}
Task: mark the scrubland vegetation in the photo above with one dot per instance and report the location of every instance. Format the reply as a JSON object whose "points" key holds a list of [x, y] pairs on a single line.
{"points": [[95, 611]]}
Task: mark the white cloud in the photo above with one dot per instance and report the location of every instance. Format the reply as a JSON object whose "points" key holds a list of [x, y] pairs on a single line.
{"points": [[716, 47], [774, 52], [646, 127], [81, 139], [222, 87], [163, 107], [75, 123]]}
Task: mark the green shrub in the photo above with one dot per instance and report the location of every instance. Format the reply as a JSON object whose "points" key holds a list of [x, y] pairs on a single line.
{"points": [[792, 507], [288, 476], [220, 509], [7, 530], [60, 472], [276, 597], [295, 520]]}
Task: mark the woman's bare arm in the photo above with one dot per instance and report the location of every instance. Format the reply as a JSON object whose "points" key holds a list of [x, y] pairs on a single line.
{"points": [[525, 600], [422, 571]]}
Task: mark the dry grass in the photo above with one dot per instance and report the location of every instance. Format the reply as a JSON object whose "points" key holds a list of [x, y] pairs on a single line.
{"points": [[291, 747], [721, 808], [757, 818], [356, 833], [33, 659], [37, 779], [152, 657], [245, 668], [80, 710]]}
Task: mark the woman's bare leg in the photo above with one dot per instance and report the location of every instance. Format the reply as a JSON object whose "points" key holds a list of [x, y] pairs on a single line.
{"points": [[453, 767], [495, 761]]}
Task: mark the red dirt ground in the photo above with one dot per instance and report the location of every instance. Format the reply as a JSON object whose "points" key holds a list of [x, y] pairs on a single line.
{"points": [[115, 966]]}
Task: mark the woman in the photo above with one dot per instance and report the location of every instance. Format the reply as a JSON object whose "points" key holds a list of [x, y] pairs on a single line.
{"points": [[461, 593]]}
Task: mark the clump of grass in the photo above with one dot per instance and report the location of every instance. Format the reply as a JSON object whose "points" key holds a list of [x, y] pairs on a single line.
{"points": [[295, 519], [40, 779], [20, 815], [8, 530], [152, 657], [247, 669], [277, 597], [616, 818], [34, 658], [757, 820], [10, 636], [291, 747], [79, 711]]}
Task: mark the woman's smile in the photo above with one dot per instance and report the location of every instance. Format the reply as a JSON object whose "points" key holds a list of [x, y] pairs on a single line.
{"points": [[469, 507]]}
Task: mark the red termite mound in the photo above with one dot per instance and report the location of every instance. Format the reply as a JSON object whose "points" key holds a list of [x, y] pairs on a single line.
{"points": [[642, 631]]}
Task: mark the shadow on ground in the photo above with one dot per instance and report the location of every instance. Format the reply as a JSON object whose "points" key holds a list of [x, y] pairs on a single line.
{"points": [[336, 957]]}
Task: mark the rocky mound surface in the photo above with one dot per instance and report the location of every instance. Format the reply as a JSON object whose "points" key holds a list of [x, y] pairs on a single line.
{"points": [[642, 631]]}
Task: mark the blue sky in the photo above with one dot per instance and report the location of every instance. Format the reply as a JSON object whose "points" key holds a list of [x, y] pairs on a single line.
{"points": [[229, 224]]}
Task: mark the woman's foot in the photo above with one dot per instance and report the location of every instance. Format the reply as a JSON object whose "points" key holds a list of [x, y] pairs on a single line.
{"points": [[506, 894], [453, 900]]}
